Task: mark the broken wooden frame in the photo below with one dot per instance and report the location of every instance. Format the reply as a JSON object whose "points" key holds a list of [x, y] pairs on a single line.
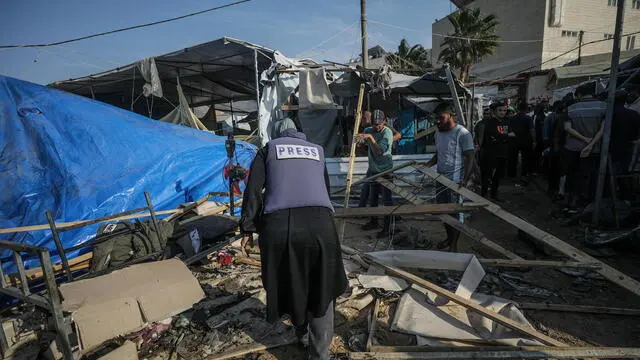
{"points": [[500, 352], [535, 233], [51, 303]]}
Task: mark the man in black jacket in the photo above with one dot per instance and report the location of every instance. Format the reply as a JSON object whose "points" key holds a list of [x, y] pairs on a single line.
{"points": [[494, 149], [523, 143]]}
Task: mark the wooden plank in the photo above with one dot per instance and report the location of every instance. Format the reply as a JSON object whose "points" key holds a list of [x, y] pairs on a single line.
{"points": [[572, 252], [243, 350], [405, 210], [500, 319], [471, 233], [352, 156], [579, 309], [529, 352], [370, 178], [86, 222], [372, 326], [537, 264], [78, 263], [479, 237], [297, 107]]}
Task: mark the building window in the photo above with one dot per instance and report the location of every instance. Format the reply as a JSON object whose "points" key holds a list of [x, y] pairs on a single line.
{"points": [[631, 42], [568, 33], [635, 4], [608, 36], [612, 2]]}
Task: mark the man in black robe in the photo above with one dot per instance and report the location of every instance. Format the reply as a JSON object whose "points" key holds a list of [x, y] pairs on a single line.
{"points": [[287, 203]]}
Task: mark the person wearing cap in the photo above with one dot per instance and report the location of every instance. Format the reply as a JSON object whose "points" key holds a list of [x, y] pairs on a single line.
{"points": [[364, 192], [494, 149], [379, 139], [454, 157], [287, 203]]}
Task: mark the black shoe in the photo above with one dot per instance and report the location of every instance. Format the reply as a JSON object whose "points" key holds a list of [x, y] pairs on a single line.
{"points": [[370, 225], [495, 198]]}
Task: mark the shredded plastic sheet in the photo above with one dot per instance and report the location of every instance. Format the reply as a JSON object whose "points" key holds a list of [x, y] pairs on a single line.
{"points": [[436, 321], [83, 159]]}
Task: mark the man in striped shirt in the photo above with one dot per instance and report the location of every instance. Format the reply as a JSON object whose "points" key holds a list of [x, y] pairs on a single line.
{"points": [[584, 128]]}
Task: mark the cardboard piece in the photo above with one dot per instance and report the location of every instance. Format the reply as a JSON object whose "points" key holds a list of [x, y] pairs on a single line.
{"points": [[124, 300], [127, 351]]}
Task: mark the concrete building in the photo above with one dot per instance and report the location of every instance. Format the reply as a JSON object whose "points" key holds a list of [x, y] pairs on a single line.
{"points": [[540, 31]]}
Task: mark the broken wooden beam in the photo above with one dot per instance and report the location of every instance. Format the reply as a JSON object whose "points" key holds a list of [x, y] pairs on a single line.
{"points": [[528, 352], [254, 348], [297, 107], [372, 325], [449, 220], [78, 223], [537, 264], [371, 178], [572, 252], [498, 318], [404, 210], [579, 309]]}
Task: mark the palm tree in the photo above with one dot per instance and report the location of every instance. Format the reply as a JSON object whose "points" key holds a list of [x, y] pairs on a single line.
{"points": [[410, 60], [460, 51]]}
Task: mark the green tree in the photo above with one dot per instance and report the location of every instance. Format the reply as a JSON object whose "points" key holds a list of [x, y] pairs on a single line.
{"points": [[410, 60], [474, 36]]}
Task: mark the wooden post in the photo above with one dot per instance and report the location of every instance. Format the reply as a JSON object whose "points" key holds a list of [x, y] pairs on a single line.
{"points": [[606, 139], [352, 155], [454, 95]]}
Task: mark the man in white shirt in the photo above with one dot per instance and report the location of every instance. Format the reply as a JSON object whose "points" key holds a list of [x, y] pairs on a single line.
{"points": [[454, 156]]}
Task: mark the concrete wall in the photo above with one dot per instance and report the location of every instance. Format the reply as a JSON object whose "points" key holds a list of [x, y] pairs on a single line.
{"points": [[519, 20], [596, 19]]}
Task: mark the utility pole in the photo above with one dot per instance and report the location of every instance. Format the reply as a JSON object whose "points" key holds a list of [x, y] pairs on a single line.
{"points": [[580, 47], [606, 139], [363, 29]]}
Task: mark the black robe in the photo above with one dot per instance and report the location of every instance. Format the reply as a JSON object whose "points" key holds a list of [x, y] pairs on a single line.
{"points": [[302, 269]]}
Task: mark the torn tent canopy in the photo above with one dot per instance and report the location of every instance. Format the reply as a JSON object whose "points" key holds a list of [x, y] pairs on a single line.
{"points": [[84, 159]]}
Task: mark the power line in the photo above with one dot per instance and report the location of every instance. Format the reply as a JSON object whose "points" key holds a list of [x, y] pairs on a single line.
{"points": [[455, 37], [122, 29], [329, 39], [564, 53]]}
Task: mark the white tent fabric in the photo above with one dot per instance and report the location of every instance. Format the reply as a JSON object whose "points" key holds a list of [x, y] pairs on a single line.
{"points": [[182, 114]]}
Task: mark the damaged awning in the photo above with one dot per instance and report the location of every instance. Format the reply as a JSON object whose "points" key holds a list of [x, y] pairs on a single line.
{"points": [[215, 72]]}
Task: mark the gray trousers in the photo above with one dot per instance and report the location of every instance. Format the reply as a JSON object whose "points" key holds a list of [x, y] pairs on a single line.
{"points": [[320, 332]]}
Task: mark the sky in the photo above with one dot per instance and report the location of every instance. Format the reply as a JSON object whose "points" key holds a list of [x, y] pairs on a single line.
{"points": [[317, 29]]}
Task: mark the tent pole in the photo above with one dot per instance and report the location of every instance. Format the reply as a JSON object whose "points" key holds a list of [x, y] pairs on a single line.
{"points": [[233, 119], [454, 95], [604, 153], [257, 74], [133, 87]]}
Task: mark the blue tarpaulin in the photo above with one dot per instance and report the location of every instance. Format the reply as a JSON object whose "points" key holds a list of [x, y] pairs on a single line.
{"points": [[84, 159]]}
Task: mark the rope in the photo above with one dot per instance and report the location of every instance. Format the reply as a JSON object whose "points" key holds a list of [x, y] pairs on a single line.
{"points": [[122, 29]]}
